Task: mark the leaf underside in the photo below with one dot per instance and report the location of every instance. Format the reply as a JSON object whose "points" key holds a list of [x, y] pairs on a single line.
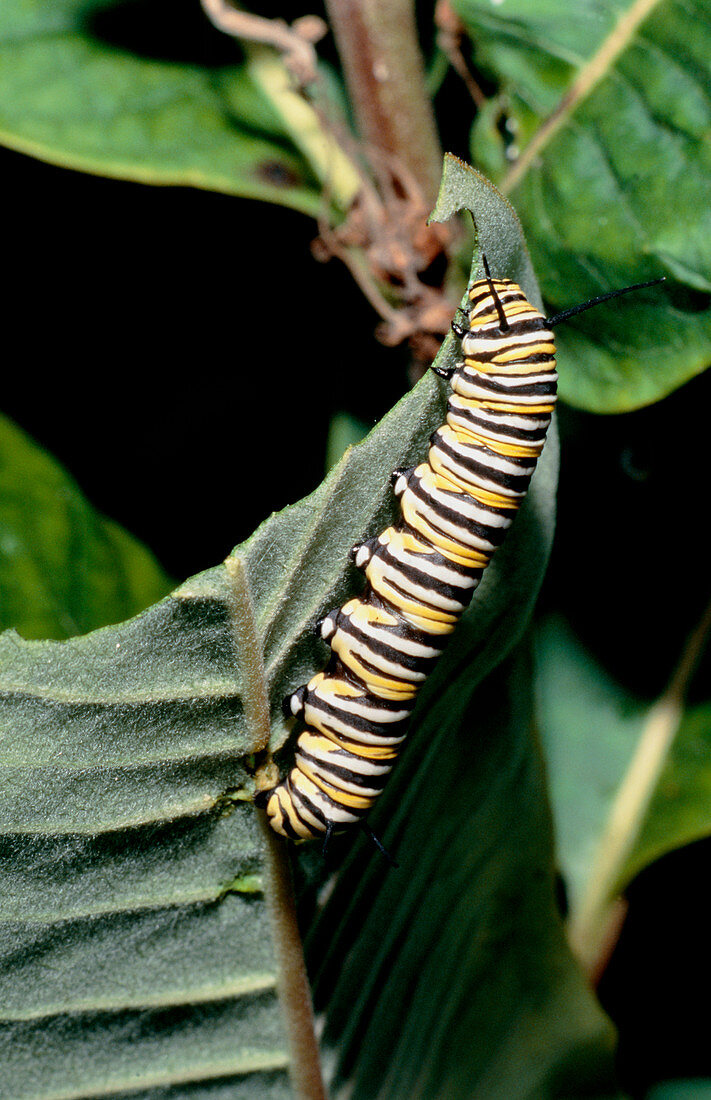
{"points": [[136, 941]]}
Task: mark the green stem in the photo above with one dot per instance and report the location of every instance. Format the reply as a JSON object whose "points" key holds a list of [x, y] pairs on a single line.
{"points": [[325, 156]]}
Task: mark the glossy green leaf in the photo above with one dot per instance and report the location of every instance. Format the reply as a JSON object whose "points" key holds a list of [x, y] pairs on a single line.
{"points": [[63, 569], [607, 114], [344, 431], [102, 88], [589, 725]]}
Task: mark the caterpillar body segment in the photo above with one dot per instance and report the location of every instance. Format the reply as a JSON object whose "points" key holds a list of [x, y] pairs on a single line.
{"points": [[455, 509]]}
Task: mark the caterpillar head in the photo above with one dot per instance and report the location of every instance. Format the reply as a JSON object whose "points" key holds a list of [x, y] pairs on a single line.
{"points": [[499, 309]]}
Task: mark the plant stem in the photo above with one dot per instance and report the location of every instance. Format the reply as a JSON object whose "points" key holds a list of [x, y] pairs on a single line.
{"points": [[294, 991], [379, 49], [321, 150], [255, 698]]}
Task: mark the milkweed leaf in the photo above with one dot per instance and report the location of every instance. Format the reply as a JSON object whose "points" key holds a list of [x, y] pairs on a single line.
{"points": [[64, 569], [591, 729], [605, 112], [107, 89], [138, 952]]}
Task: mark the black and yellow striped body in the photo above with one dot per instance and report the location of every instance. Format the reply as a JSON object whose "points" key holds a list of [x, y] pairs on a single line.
{"points": [[455, 510]]}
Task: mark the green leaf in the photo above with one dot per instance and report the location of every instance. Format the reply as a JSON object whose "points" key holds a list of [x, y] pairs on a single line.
{"points": [[680, 810], [450, 975], [498, 231], [63, 569], [93, 86], [123, 966], [697, 1088], [589, 726], [487, 141], [609, 116], [345, 430], [137, 946], [591, 729]]}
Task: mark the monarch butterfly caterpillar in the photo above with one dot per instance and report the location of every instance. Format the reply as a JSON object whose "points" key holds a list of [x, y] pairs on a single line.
{"points": [[455, 509]]}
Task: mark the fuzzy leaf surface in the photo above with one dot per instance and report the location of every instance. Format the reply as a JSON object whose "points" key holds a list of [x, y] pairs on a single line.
{"points": [[138, 950], [137, 947], [123, 816]]}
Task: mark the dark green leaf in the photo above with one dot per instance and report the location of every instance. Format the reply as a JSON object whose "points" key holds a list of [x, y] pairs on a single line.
{"points": [[101, 88], [63, 569], [680, 810], [590, 727], [696, 1088], [344, 431], [450, 975], [137, 949], [608, 114]]}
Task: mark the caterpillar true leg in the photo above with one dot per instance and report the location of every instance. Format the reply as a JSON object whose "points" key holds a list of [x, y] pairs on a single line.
{"points": [[378, 843]]}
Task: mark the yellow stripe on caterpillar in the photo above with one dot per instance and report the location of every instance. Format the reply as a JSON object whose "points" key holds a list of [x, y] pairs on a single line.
{"points": [[454, 509]]}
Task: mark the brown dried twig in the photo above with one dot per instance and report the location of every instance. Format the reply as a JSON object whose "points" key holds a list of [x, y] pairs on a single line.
{"points": [[383, 239], [295, 42], [451, 31]]}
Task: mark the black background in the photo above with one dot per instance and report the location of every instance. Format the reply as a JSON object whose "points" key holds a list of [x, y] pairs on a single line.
{"points": [[180, 352]]}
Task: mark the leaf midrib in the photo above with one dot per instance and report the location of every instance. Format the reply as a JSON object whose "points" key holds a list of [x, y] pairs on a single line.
{"points": [[589, 76]]}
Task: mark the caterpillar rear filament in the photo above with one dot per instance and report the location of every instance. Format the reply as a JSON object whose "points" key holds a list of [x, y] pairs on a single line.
{"points": [[455, 509]]}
